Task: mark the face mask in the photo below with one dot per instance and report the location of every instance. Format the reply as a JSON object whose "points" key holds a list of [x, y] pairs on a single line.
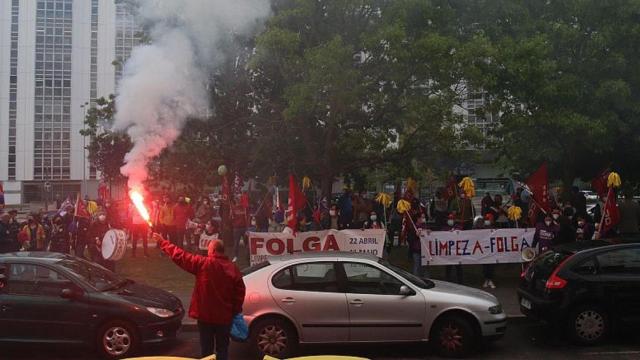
{"points": [[581, 223], [487, 223], [422, 220], [556, 216], [332, 213], [102, 218], [450, 222], [548, 223], [373, 218], [253, 223]]}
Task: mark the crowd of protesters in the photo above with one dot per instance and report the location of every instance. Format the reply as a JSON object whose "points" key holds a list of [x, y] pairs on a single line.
{"points": [[193, 224]]}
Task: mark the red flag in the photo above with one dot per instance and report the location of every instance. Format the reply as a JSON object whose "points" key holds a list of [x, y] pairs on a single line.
{"points": [[599, 183], [451, 190], [244, 200], [538, 184], [1, 196], [297, 201], [103, 191], [226, 191], [611, 216], [81, 209]]}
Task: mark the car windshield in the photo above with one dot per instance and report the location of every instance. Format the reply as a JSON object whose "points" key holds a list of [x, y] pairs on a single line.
{"points": [[98, 277], [407, 275]]}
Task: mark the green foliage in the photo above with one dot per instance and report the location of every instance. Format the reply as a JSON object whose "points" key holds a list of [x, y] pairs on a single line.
{"points": [[107, 148], [565, 78]]}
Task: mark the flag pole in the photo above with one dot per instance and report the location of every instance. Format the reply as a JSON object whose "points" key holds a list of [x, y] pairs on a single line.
{"points": [[604, 212]]}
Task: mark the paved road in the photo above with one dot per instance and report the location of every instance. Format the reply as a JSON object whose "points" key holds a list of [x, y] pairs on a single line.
{"points": [[525, 340]]}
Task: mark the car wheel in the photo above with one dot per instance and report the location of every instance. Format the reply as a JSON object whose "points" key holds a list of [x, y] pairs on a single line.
{"points": [[116, 339], [274, 337], [453, 336], [588, 325]]}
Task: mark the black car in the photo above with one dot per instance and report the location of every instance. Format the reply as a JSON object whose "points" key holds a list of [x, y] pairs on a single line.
{"points": [[588, 287], [61, 299]]}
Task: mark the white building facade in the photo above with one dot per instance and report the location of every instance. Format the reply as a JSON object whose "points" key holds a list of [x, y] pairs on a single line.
{"points": [[56, 58]]}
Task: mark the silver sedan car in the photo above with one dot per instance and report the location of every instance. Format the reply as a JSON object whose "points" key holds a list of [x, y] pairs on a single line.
{"points": [[340, 297]]}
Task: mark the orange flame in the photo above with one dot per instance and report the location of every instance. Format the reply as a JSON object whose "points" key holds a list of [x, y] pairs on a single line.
{"points": [[138, 202]]}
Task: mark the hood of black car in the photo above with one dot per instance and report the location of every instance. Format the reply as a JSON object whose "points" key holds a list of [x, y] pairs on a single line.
{"points": [[145, 295]]}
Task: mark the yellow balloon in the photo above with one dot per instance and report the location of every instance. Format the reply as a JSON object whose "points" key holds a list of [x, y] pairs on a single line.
{"points": [[384, 199], [403, 206]]}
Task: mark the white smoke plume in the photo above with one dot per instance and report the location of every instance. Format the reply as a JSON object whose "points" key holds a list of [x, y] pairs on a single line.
{"points": [[164, 82]]}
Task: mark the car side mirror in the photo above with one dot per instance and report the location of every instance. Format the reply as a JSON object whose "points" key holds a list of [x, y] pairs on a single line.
{"points": [[406, 291], [70, 294]]}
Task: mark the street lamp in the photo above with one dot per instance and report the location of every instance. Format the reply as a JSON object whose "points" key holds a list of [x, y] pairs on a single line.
{"points": [[84, 147]]}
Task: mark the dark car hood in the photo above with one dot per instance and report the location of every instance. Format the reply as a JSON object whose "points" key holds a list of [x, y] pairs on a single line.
{"points": [[145, 295]]}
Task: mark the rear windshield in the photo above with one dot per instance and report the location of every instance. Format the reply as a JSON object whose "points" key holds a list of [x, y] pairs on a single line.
{"points": [[548, 261], [254, 268]]}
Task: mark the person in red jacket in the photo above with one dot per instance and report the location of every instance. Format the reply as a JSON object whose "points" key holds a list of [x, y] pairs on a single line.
{"points": [[217, 296]]}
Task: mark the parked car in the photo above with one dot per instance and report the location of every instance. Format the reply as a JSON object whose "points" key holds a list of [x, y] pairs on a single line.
{"points": [[588, 287], [342, 297], [56, 298], [591, 196]]}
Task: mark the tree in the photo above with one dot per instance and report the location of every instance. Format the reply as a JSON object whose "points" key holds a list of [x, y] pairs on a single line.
{"points": [[107, 148], [351, 85], [565, 80]]}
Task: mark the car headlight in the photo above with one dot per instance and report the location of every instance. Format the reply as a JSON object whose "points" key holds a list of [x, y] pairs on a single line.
{"points": [[163, 313], [497, 309]]}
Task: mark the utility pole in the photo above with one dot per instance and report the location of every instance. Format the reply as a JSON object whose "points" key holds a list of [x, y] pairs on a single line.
{"points": [[84, 148]]}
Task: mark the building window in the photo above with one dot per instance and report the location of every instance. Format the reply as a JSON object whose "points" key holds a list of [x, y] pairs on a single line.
{"points": [[127, 34], [13, 88], [52, 102]]}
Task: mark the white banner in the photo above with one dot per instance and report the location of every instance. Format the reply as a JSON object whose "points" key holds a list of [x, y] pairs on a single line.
{"points": [[491, 246], [262, 245]]}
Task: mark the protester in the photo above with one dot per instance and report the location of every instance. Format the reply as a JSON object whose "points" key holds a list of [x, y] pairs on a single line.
{"points": [[440, 209], [113, 216], [464, 210], [7, 242], [486, 204], [59, 238], [239, 224], [218, 294], [37, 235], [415, 248], [208, 234], [346, 209], [80, 229], [488, 270], [584, 230], [453, 225], [262, 217], [373, 222], [138, 230], [546, 234], [166, 220], [97, 230], [204, 212], [629, 216], [182, 212], [579, 201], [567, 231], [330, 220]]}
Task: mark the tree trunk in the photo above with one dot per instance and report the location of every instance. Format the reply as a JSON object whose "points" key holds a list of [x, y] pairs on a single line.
{"points": [[326, 185]]}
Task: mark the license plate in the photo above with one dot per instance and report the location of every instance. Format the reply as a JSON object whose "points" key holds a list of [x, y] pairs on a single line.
{"points": [[525, 303]]}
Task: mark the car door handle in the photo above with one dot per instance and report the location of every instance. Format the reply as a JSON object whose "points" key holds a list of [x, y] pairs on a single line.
{"points": [[356, 302], [288, 300]]}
